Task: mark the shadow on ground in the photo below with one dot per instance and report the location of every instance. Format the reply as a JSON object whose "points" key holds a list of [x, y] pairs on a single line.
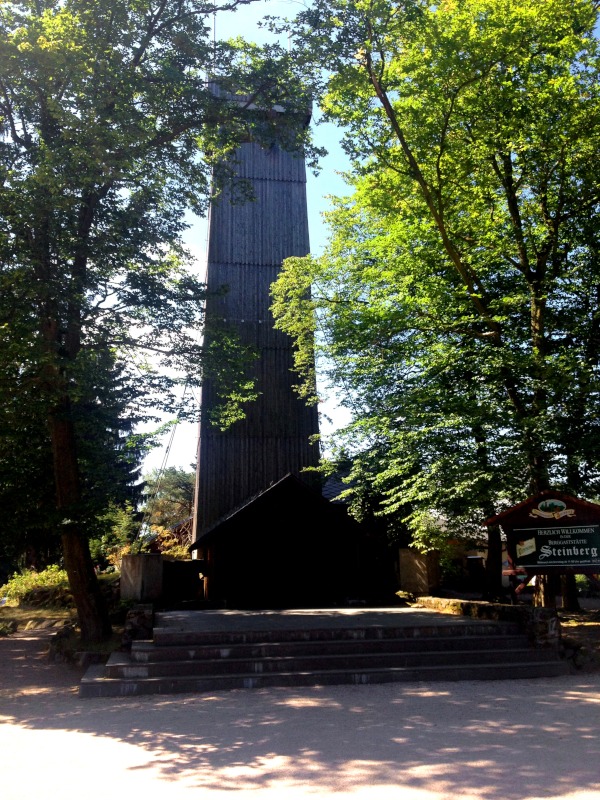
{"points": [[487, 740]]}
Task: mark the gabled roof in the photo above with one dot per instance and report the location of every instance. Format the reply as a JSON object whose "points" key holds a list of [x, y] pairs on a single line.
{"points": [[516, 510], [333, 488], [288, 483], [181, 523]]}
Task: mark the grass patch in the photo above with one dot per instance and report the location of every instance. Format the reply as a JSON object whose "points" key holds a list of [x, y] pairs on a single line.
{"points": [[22, 617], [65, 645], [42, 600]]}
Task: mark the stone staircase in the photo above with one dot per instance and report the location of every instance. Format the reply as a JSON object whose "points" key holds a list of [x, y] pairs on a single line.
{"points": [[186, 656]]}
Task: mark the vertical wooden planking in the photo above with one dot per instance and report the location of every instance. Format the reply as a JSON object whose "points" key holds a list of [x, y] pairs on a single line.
{"points": [[247, 244]]}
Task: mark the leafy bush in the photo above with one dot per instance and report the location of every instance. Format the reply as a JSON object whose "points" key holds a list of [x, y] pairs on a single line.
{"points": [[7, 628], [169, 545], [121, 536], [24, 584]]}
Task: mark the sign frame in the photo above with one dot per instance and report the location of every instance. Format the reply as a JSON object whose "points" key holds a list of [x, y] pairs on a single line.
{"points": [[567, 527]]}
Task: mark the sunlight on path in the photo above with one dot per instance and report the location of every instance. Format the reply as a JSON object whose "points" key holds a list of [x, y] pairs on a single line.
{"points": [[473, 740]]}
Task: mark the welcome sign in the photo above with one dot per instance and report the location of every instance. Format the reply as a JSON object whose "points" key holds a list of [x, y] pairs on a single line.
{"points": [[551, 533], [575, 546]]}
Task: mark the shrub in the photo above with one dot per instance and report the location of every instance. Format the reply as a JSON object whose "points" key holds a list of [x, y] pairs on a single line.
{"points": [[23, 585], [120, 537], [169, 545]]}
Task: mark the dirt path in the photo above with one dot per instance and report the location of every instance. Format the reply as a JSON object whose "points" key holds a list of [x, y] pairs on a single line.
{"points": [[581, 637], [25, 670], [467, 740]]}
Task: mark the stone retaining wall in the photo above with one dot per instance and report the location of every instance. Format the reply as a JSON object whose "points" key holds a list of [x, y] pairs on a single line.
{"points": [[540, 624]]}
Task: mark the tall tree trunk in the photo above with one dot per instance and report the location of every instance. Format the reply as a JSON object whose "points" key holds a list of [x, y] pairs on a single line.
{"points": [[493, 564], [92, 613], [570, 600], [546, 585], [546, 589]]}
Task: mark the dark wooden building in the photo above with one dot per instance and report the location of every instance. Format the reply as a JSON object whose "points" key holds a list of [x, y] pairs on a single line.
{"points": [[287, 547], [247, 243], [265, 536]]}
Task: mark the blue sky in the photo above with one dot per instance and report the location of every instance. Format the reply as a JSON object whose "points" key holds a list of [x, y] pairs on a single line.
{"points": [[245, 23], [179, 447]]}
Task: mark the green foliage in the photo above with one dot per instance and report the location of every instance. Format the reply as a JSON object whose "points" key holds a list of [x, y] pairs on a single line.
{"points": [[456, 306], [167, 512], [109, 133], [121, 526], [108, 457], [169, 496], [17, 588], [228, 364], [7, 628], [169, 545]]}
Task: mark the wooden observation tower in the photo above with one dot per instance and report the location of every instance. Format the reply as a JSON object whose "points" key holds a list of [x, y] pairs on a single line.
{"points": [[247, 243]]}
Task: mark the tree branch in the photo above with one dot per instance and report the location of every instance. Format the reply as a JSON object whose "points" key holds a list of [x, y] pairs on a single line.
{"points": [[470, 281]]}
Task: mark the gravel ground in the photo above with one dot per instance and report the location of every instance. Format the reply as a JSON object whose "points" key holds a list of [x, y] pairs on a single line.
{"points": [[477, 740], [581, 637]]}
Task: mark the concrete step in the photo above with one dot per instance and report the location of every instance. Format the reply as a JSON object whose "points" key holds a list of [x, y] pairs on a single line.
{"points": [[96, 684], [147, 651], [120, 665], [186, 654], [173, 636]]}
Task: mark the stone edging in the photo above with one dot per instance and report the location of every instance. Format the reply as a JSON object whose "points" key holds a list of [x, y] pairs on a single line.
{"points": [[540, 624]]}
